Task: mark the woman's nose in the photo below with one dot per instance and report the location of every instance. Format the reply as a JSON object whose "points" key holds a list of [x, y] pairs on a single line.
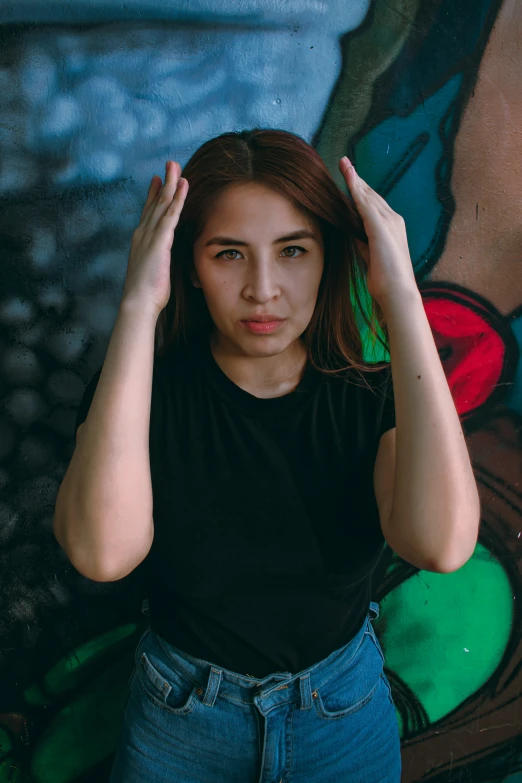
{"points": [[262, 284]]}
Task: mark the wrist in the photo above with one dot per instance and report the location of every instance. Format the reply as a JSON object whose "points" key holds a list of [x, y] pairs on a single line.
{"points": [[139, 307], [399, 300]]}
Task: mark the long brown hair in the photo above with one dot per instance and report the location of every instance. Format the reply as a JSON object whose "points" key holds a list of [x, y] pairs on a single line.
{"points": [[288, 164]]}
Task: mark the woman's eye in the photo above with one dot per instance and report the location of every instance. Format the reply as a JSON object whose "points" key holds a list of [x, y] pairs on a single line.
{"points": [[227, 251], [290, 247], [294, 247]]}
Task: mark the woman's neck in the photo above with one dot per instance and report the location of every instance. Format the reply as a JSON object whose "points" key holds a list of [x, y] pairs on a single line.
{"points": [[266, 376]]}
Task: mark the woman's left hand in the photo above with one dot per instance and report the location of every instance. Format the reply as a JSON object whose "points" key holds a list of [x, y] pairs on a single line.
{"points": [[387, 256]]}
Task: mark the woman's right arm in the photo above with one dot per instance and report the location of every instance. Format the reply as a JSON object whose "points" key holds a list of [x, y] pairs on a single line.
{"points": [[103, 512]]}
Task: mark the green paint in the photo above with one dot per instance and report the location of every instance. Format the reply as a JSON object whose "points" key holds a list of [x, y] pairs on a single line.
{"points": [[10, 772], [6, 745], [86, 731], [34, 696], [81, 663], [444, 635]]}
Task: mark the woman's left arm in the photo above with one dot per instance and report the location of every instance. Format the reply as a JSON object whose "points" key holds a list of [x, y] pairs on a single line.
{"points": [[435, 508]]}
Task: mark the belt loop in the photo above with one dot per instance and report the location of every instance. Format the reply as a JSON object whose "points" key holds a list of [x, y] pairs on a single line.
{"points": [[374, 607], [306, 694], [214, 681]]}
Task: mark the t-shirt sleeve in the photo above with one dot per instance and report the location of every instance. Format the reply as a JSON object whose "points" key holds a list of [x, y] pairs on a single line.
{"points": [[86, 400], [387, 420]]}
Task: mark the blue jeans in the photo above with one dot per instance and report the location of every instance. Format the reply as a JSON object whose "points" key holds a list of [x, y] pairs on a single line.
{"points": [[191, 721]]}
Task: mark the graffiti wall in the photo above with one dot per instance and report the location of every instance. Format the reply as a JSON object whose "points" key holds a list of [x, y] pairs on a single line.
{"points": [[424, 95]]}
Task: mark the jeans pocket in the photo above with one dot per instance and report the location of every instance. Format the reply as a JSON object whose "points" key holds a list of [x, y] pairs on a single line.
{"points": [[353, 686], [379, 649], [388, 687], [377, 644], [164, 687]]}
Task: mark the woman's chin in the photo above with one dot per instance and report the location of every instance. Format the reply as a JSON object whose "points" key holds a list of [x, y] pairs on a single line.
{"points": [[264, 345], [256, 345]]}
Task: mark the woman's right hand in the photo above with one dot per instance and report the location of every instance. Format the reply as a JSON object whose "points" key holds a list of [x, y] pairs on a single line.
{"points": [[148, 270]]}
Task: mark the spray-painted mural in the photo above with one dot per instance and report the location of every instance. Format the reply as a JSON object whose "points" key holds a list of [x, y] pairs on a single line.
{"points": [[424, 95]]}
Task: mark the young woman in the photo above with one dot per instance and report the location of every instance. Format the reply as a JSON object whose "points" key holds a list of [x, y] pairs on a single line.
{"points": [[237, 443]]}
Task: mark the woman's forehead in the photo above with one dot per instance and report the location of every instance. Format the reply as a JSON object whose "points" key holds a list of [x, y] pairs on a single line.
{"points": [[251, 215]]}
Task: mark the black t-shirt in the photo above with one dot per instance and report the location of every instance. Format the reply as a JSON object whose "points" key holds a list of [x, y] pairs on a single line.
{"points": [[266, 527]]}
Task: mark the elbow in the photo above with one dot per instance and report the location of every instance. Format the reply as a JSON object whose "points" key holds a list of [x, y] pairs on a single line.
{"points": [[450, 564], [87, 565], [93, 559], [90, 564], [439, 557], [456, 558], [98, 571], [100, 567]]}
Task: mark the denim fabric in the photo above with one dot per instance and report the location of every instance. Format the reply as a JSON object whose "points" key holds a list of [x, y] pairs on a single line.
{"points": [[191, 721]]}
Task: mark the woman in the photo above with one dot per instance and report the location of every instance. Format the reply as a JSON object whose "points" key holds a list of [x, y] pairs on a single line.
{"points": [[237, 444]]}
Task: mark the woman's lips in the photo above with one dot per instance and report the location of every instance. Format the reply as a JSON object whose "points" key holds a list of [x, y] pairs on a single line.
{"points": [[263, 327]]}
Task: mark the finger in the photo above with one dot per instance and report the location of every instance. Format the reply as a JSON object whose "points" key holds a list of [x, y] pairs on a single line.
{"points": [[176, 205], [164, 195], [372, 195], [354, 182], [168, 222], [151, 195], [360, 190]]}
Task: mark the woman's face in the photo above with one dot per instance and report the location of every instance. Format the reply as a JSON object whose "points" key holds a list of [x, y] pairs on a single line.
{"points": [[259, 272]]}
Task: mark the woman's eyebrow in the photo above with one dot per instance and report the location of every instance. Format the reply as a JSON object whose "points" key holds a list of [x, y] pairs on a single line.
{"points": [[303, 234]]}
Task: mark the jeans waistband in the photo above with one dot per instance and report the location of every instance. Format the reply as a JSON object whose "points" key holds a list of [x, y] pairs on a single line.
{"points": [[270, 691]]}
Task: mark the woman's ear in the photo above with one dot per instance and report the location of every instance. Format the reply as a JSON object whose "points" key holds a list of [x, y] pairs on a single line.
{"points": [[194, 279]]}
